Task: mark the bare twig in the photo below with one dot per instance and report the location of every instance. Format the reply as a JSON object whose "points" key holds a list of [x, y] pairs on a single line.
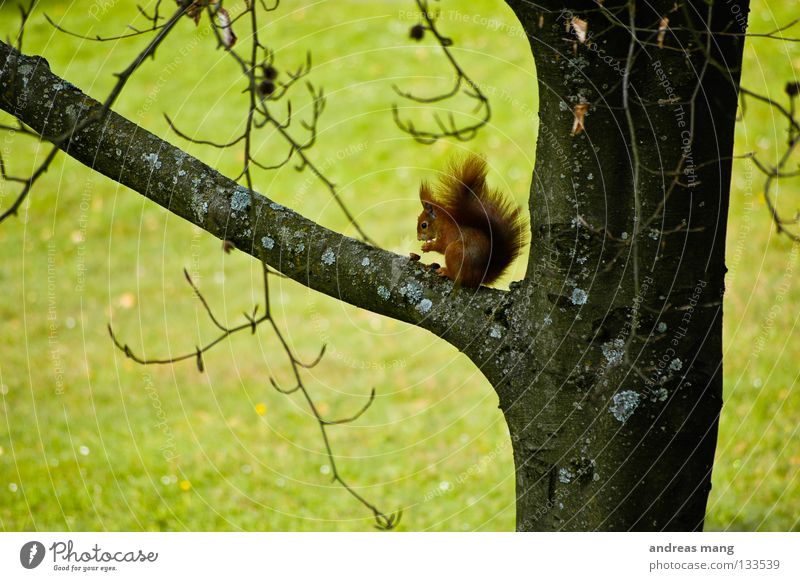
{"points": [[134, 32], [462, 84], [260, 74], [122, 80], [383, 521]]}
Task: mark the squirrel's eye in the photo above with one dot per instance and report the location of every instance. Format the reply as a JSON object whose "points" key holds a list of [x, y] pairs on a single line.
{"points": [[424, 225]]}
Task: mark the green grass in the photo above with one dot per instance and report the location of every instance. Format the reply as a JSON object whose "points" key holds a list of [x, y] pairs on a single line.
{"points": [[756, 482], [92, 441]]}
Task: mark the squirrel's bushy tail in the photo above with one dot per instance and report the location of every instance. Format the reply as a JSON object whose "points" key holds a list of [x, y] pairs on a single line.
{"points": [[465, 195]]}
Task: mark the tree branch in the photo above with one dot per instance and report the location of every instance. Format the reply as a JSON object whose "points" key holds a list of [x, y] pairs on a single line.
{"points": [[337, 265]]}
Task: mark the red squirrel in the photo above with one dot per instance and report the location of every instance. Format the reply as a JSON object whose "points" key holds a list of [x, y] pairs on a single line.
{"points": [[479, 230]]}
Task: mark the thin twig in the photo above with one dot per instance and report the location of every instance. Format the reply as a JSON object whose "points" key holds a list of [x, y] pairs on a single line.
{"points": [[462, 83]]}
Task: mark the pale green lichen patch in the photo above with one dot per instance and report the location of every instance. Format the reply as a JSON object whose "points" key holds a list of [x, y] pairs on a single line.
{"points": [[294, 241], [328, 257], [578, 296], [152, 160], [267, 243], [613, 351], [424, 306], [565, 475], [623, 404], [383, 292], [240, 199], [180, 156], [411, 291], [199, 206], [25, 71], [181, 173], [660, 394]]}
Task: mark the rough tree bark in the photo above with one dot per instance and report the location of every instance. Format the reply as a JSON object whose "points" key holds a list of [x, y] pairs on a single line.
{"points": [[607, 357], [616, 429]]}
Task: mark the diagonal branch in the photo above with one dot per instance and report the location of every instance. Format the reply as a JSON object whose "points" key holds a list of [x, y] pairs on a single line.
{"points": [[342, 267], [96, 115]]}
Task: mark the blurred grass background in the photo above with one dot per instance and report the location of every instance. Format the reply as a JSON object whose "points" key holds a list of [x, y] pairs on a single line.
{"points": [[89, 440]]}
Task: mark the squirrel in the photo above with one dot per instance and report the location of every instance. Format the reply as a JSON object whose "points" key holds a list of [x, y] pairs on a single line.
{"points": [[479, 229]]}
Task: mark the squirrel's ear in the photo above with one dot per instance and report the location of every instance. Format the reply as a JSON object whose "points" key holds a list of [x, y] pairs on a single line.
{"points": [[425, 193], [429, 210]]}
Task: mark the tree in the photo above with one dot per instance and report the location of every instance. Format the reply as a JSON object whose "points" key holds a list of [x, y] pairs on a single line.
{"points": [[606, 358]]}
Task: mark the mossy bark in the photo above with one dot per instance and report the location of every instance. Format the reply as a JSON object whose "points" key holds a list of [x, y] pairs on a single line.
{"points": [[614, 412]]}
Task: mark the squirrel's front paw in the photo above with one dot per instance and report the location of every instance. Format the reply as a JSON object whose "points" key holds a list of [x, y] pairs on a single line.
{"points": [[414, 256]]}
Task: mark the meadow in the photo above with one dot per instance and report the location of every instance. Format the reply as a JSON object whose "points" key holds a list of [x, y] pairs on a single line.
{"points": [[91, 441]]}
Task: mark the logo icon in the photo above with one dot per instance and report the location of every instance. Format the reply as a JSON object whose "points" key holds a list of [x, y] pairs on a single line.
{"points": [[31, 554]]}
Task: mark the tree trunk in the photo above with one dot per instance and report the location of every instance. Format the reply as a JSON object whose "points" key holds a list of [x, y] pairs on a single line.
{"points": [[613, 413], [607, 357]]}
